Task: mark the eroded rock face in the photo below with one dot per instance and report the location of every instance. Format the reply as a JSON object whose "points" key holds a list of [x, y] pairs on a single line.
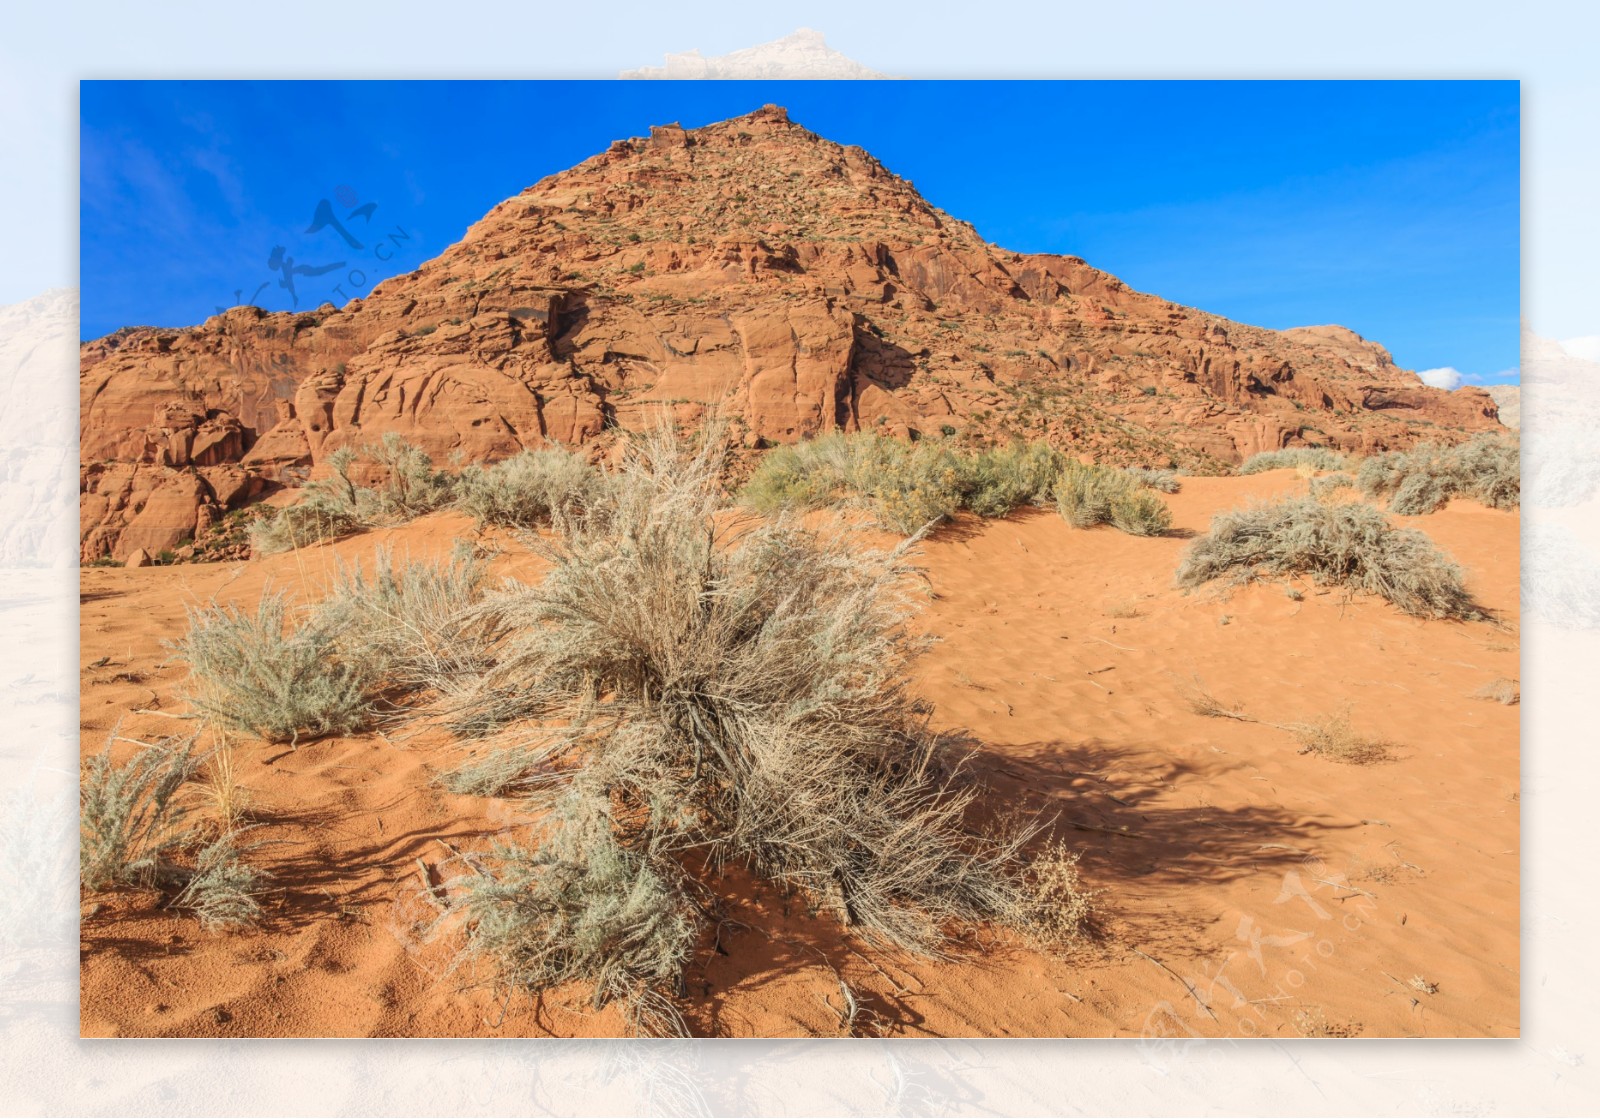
{"points": [[750, 267]]}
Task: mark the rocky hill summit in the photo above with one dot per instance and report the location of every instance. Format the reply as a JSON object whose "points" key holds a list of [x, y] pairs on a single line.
{"points": [[752, 267]]}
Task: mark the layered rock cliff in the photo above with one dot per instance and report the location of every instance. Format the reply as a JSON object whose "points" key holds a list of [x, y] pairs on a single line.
{"points": [[752, 267]]}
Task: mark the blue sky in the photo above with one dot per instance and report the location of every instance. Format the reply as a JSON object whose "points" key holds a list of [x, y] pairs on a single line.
{"points": [[1388, 207]]}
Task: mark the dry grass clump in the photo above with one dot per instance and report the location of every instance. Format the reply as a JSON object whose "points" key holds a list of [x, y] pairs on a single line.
{"points": [[1335, 739], [1314, 458], [1486, 468], [528, 489], [228, 800], [1508, 692], [335, 506], [698, 695], [1350, 545], [1312, 1022], [134, 828], [257, 673], [1094, 495], [1202, 701], [1060, 911]]}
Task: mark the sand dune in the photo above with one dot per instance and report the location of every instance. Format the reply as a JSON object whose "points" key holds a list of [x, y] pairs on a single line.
{"points": [[1246, 888]]}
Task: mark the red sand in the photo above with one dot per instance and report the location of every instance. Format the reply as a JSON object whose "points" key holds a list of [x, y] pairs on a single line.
{"points": [[1247, 889]]}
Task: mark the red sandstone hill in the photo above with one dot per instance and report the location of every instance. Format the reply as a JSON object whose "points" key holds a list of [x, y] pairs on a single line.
{"points": [[752, 266]]}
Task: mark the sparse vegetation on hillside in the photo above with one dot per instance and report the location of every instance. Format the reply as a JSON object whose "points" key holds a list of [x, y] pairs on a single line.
{"points": [[1351, 545], [1421, 480], [676, 694]]}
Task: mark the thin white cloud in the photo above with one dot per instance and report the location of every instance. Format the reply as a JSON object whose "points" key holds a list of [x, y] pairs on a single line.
{"points": [[1444, 377]]}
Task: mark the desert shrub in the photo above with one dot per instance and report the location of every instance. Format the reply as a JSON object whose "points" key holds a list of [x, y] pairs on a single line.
{"points": [[1325, 487], [905, 486], [526, 490], [583, 906], [1316, 458], [134, 831], [1352, 545], [1000, 479], [911, 486], [328, 508], [222, 889], [407, 624], [309, 521], [1058, 912], [1092, 495], [1491, 468], [1141, 513], [130, 819], [256, 673], [411, 485], [335, 506], [1486, 468], [796, 476], [1162, 481], [709, 694]]}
